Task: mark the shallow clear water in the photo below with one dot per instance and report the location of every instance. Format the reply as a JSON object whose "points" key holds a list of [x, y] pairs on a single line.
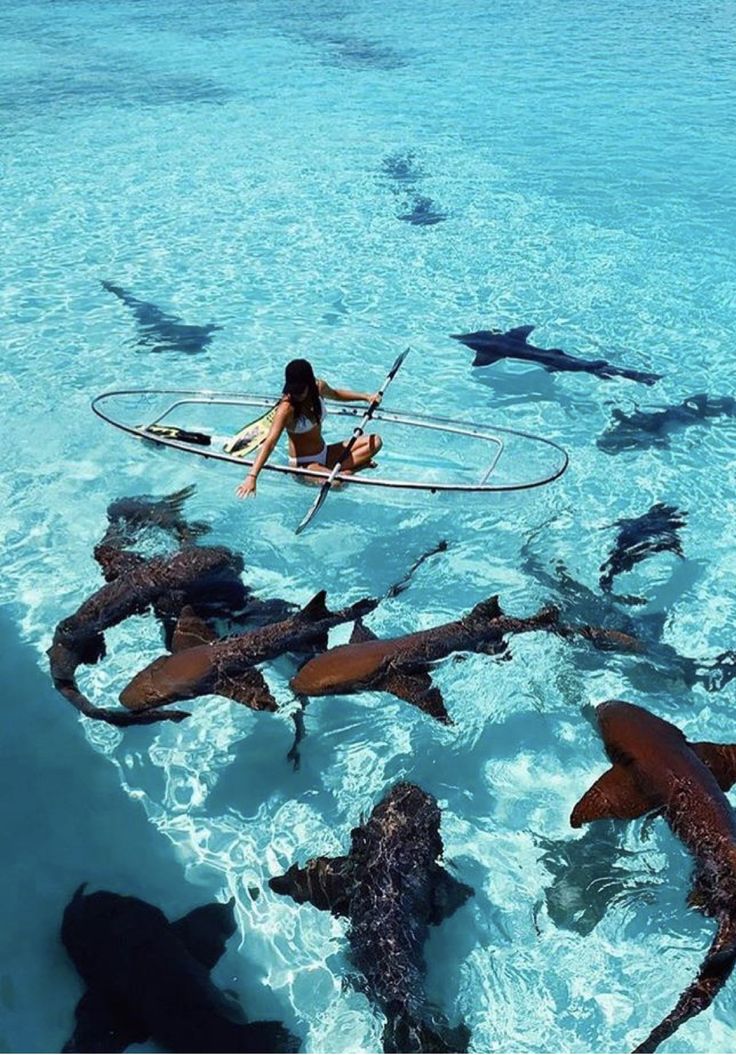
{"points": [[246, 165]]}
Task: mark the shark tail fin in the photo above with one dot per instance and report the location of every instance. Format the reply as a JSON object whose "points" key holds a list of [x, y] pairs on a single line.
{"points": [[714, 972]]}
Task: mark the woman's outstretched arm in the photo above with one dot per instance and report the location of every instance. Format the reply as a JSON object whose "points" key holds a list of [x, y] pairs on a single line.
{"points": [[345, 395], [248, 486]]}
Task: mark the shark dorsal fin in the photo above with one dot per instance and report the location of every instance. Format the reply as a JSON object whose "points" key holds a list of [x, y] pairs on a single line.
{"points": [[190, 631], [720, 760], [520, 333], [361, 633], [485, 611], [205, 930], [315, 609], [614, 795]]}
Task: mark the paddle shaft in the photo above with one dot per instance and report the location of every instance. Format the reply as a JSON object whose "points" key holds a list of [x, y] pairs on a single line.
{"points": [[357, 433]]}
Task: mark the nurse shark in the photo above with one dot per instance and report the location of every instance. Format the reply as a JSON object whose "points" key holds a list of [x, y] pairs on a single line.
{"points": [[401, 665], [149, 979], [204, 664], [135, 584], [655, 768], [490, 346], [652, 428], [656, 531], [159, 331], [391, 889]]}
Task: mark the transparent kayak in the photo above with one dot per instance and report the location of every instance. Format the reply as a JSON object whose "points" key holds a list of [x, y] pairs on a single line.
{"points": [[420, 452]]}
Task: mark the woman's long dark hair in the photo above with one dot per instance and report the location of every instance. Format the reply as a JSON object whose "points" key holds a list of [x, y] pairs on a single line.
{"points": [[300, 375]]}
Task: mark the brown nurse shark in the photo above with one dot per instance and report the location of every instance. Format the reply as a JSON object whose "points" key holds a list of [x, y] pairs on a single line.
{"points": [[133, 585], [202, 664], [391, 888], [656, 768], [399, 665]]}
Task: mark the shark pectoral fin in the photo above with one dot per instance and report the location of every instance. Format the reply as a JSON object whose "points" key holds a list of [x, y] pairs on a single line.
{"points": [[720, 760], [190, 631], [520, 333], [484, 358], [248, 687], [614, 795], [205, 930], [361, 633], [101, 1027], [325, 882], [448, 895], [416, 688]]}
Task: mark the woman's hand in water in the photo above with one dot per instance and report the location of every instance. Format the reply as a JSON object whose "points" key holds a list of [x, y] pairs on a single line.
{"points": [[375, 398], [248, 488]]}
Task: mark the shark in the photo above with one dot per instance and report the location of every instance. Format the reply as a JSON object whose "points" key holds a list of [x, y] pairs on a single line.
{"points": [[652, 428], [655, 768], [423, 213], [129, 517], [656, 531], [149, 979], [400, 665], [391, 888], [202, 663], [134, 584], [159, 331], [490, 346]]}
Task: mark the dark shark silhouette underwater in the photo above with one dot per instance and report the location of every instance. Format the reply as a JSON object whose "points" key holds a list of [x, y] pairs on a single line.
{"points": [[391, 889], [159, 331], [491, 346], [148, 978], [655, 768], [656, 531], [653, 428]]}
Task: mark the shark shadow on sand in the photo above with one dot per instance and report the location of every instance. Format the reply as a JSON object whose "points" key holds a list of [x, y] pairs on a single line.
{"points": [[149, 979], [391, 889], [588, 878]]}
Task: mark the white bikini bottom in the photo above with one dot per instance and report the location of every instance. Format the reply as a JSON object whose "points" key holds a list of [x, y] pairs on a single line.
{"points": [[307, 459]]}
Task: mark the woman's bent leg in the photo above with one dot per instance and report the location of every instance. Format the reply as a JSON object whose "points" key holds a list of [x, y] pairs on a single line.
{"points": [[360, 456]]}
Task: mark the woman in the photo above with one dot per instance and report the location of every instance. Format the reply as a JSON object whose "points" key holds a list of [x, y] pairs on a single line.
{"points": [[300, 412]]}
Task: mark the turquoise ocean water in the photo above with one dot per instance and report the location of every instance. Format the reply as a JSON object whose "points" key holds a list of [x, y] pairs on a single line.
{"points": [[246, 164]]}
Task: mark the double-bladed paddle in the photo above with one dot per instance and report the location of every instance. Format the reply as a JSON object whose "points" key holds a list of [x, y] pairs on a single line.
{"points": [[357, 433]]}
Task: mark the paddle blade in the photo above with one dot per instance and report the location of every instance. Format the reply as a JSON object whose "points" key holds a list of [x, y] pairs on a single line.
{"points": [[312, 511]]}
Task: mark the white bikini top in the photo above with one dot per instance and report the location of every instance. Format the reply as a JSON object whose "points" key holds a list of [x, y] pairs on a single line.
{"points": [[305, 424]]}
